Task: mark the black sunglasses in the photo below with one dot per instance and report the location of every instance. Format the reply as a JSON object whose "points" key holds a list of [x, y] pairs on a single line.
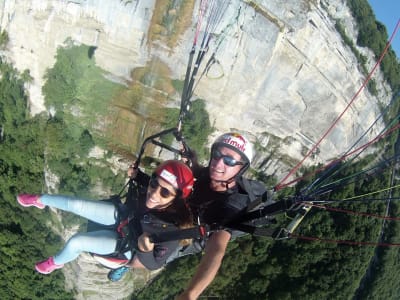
{"points": [[164, 192], [228, 160]]}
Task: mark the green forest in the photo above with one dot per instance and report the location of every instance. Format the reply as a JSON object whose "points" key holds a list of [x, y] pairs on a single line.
{"points": [[23, 241], [254, 267]]}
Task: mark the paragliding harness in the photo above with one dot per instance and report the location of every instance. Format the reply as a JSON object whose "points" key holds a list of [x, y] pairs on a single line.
{"points": [[124, 226], [127, 219], [256, 218], [257, 222]]}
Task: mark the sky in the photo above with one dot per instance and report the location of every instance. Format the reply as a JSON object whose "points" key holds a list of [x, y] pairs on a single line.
{"points": [[388, 13]]}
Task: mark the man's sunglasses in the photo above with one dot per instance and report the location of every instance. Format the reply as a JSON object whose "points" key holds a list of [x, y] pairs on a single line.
{"points": [[228, 160], [164, 192]]}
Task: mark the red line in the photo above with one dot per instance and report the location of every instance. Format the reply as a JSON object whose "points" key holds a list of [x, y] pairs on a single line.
{"points": [[202, 10], [280, 185], [376, 139], [354, 243], [329, 208]]}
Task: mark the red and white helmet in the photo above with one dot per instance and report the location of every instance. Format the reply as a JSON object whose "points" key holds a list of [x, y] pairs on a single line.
{"points": [[177, 174], [236, 142]]}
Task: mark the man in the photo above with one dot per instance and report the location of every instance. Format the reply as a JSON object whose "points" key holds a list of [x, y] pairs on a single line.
{"points": [[220, 194]]}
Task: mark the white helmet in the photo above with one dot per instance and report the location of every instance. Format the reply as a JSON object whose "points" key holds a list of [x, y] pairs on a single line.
{"points": [[238, 143]]}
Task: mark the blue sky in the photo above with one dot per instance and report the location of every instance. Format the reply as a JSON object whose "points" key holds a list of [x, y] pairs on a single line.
{"points": [[388, 13]]}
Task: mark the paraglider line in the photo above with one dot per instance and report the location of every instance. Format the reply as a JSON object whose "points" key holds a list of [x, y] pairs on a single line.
{"points": [[281, 184]]}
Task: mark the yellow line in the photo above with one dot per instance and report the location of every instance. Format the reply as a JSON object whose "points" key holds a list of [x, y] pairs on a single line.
{"points": [[383, 190]]}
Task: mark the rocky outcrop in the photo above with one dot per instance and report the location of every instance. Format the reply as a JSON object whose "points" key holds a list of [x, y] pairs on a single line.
{"points": [[89, 281]]}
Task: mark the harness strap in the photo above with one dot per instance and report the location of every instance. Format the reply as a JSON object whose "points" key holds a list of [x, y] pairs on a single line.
{"points": [[121, 227], [257, 231], [269, 210], [200, 231], [246, 186], [197, 232]]}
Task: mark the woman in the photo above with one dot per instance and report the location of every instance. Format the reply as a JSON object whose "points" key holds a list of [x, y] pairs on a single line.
{"points": [[161, 206]]}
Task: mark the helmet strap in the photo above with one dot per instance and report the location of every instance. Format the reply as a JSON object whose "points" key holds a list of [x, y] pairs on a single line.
{"points": [[232, 179], [226, 183]]}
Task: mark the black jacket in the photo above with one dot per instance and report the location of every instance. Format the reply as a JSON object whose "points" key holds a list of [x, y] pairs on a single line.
{"points": [[151, 221], [220, 208]]}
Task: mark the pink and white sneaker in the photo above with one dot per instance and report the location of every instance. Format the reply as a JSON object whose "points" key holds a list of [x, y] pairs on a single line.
{"points": [[47, 266], [27, 200]]}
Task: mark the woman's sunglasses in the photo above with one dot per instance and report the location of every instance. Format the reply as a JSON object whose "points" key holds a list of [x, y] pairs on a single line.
{"points": [[228, 160], [164, 192]]}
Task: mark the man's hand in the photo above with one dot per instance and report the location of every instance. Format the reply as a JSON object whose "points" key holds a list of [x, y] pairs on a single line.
{"points": [[209, 265]]}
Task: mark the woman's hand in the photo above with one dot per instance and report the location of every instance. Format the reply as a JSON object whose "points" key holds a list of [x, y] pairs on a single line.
{"points": [[144, 243]]}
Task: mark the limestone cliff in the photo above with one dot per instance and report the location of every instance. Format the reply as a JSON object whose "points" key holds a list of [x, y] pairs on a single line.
{"points": [[283, 73], [282, 69]]}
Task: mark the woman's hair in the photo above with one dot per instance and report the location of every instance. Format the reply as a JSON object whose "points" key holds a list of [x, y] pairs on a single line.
{"points": [[180, 176], [177, 213]]}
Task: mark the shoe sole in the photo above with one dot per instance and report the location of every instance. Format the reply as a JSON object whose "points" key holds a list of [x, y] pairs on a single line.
{"points": [[38, 205], [42, 272], [47, 272]]}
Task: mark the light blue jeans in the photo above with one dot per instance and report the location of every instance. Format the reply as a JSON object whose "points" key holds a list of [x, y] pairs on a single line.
{"points": [[99, 242]]}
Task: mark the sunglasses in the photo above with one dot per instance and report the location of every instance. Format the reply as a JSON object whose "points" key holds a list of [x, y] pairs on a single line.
{"points": [[164, 192], [228, 160]]}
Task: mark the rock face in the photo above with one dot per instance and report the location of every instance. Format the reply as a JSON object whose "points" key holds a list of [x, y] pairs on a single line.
{"points": [[283, 73], [89, 281], [37, 28], [282, 69]]}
